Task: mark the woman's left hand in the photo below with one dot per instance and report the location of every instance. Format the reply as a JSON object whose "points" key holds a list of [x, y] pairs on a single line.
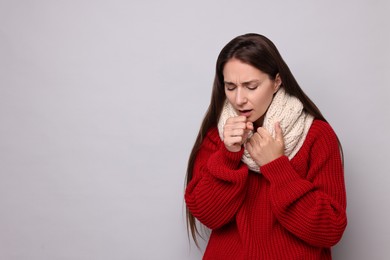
{"points": [[263, 148]]}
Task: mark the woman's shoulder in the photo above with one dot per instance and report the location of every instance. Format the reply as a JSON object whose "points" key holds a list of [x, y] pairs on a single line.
{"points": [[210, 141], [212, 135], [321, 127], [322, 130]]}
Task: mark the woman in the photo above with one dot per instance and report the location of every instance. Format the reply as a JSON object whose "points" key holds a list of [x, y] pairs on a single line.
{"points": [[265, 173]]}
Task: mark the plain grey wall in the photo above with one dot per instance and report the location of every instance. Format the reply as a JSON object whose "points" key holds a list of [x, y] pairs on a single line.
{"points": [[100, 102]]}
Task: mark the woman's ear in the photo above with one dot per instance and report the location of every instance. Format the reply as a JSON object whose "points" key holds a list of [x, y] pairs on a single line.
{"points": [[278, 83]]}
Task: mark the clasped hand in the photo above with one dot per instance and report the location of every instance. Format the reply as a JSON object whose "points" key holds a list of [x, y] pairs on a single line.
{"points": [[262, 147]]}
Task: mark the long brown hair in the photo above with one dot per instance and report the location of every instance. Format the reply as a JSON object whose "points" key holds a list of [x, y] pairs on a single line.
{"points": [[259, 52]]}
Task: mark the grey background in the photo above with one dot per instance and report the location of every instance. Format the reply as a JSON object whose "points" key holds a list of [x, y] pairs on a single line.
{"points": [[100, 102]]}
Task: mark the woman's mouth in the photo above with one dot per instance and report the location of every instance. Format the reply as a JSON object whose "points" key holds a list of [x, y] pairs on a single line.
{"points": [[246, 112]]}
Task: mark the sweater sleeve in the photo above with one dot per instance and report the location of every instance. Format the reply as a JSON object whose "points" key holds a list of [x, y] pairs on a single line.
{"points": [[217, 188], [312, 207]]}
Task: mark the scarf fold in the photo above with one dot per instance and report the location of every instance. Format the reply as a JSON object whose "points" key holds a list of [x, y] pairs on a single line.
{"points": [[286, 109]]}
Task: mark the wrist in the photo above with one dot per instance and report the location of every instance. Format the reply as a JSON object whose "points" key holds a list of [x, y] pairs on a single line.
{"points": [[233, 149]]}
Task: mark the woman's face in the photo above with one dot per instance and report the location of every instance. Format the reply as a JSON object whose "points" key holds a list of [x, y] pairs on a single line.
{"points": [[249, 90]]}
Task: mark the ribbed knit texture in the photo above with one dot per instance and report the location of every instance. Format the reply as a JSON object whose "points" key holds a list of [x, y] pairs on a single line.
{"points": [[285, 109], [296, 209]]}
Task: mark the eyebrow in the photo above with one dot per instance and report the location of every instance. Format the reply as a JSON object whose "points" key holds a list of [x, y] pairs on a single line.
{"points": [[228, 83]]}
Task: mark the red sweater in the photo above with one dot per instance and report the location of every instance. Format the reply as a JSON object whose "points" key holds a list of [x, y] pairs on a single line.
{"points": [[294, 209]]}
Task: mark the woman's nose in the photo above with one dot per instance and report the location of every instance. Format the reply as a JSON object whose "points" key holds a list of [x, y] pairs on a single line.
{"points": [[241, 97]]}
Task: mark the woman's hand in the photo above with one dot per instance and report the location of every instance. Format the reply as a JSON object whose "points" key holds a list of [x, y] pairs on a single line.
{"points": [[235, 132], [263, 148]]}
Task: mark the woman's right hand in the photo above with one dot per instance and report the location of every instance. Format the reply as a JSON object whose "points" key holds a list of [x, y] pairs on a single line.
{"points": [[235, 132]]}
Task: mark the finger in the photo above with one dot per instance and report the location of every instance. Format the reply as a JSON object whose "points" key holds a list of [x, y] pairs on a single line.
{"points": [[255, 139], [278, 132], [249, 147], [246, 134], [234, 122], [237, 132], [249, 126], [233, 131], [262, 132], [241, 118], [233, 140], [235, 125], [236, 119]]}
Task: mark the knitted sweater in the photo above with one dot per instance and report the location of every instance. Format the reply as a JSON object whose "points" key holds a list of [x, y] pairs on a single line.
{"points": [[294, 209]]}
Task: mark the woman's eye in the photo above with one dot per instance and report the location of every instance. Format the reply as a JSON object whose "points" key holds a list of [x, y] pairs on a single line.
{"points": [[230, 87], [252, 86]]}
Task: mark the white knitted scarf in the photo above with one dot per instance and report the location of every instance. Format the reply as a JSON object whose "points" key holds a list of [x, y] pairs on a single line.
{"points": [[286, 109]]}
